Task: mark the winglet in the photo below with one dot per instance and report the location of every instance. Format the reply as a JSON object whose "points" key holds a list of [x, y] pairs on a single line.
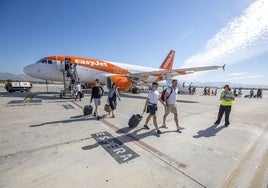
{"points": [[168, 61], [223, 67]]}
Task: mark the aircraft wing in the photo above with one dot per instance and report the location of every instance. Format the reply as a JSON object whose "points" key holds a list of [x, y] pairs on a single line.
{"points": [[173, 72]]}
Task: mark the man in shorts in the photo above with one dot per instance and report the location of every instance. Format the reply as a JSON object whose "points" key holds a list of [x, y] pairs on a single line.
{"points": [[170, 99], [96, 94], [151, 105]]}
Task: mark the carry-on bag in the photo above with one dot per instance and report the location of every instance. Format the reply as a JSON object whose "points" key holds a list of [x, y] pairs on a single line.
{"points": [[88, 110], [134, 120]]}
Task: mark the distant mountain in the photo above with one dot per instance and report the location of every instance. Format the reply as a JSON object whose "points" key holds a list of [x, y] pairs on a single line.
{"points": [[221, 84], [23, 77], [218, 84], [20, 77]]}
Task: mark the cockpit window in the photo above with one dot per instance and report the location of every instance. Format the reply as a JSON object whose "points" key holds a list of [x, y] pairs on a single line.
{"points": [[44, 61]]}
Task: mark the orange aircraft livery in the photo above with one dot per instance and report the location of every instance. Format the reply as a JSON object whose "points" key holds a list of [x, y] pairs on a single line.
{"points": [[125, 76]]}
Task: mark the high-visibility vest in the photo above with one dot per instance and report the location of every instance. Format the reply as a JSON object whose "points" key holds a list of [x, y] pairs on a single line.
{"points": [[227, 98]]}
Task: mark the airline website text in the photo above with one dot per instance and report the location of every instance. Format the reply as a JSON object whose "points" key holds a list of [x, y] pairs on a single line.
{"points": [[91, 63]]}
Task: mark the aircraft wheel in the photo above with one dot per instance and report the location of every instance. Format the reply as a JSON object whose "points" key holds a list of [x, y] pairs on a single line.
{"points": [[134, 90]]}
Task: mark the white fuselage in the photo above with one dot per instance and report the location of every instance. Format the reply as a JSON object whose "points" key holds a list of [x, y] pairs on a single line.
{"points": [[54, 71]]}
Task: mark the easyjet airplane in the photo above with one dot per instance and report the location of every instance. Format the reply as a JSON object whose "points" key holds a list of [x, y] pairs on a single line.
{"points": [[125, 76]]}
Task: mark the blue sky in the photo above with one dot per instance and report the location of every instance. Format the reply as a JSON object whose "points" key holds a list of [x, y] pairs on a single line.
{"points": [[141, 32]]}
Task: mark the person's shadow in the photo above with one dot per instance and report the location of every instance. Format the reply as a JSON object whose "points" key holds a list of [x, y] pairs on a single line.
{"points": [[210, 131]]}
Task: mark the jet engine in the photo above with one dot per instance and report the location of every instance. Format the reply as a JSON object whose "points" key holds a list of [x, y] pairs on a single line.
{"points": [[123, 83]]}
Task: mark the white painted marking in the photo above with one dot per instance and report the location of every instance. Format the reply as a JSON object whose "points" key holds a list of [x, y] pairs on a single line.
{"points": [[235, 159], [218, 152]]}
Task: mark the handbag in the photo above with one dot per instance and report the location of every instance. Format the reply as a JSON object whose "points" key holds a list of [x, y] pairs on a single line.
{"points": [[107, 108]]}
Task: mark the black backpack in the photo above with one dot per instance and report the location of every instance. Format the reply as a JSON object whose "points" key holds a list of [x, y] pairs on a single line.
{"points": [[164, 92]]}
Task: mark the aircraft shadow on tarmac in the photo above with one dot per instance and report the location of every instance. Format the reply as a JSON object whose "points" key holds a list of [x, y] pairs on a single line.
{"points": [[47, 96], [72, 119], [15, 94], [210, 131]]}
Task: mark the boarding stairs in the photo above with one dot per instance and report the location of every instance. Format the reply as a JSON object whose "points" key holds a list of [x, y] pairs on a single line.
{"points": [[70, 78]]}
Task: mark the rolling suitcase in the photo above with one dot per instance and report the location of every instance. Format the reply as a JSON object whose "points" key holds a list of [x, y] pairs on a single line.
{"points": [[81, 95], [134, 120], [88, 110]]}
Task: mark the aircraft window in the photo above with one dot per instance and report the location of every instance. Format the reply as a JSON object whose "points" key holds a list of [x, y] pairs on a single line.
{"points": [[44, 61], [40, 61], [49, 61]]}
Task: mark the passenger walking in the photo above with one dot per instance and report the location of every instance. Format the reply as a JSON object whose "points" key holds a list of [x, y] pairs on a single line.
{"points": [[97, 92], [170, 98], [194, 91], [151, 106], [78, 91], [215, 92], [112, 96], [208, 91], [227, 98], [251, 93], [205, 91], [259, 93], [239, 92]]}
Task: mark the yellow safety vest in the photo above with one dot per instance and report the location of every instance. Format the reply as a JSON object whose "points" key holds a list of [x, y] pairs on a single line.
{"points": [[227, 98]]}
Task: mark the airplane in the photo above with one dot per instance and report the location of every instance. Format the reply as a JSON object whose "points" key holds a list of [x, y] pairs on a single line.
{"points": [[126, 76]]}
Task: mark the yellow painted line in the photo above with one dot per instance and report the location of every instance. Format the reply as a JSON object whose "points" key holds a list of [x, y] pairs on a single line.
{"points": [[28, 98]]}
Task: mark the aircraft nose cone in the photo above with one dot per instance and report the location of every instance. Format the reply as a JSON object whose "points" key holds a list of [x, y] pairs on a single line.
{"points": [[27, 70]]}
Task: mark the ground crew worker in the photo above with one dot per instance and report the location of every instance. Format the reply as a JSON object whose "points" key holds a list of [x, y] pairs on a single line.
{"points": [[227, 98]]}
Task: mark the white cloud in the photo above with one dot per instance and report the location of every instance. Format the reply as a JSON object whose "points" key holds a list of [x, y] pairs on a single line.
{"points": [[237, 74], [246, 77], [243, 37]]}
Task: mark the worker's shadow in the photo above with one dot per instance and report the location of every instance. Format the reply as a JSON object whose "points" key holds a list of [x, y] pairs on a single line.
{"points": [[210, 131]]}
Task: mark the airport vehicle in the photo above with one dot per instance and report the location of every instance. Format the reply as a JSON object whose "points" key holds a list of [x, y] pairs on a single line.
{"points": [[18, 86], [86, 70]]}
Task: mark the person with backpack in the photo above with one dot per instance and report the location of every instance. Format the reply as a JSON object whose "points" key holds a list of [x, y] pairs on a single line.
{"points": [[227, 98], [112, 95], [170, 99], [151, 106], [97, 92]]}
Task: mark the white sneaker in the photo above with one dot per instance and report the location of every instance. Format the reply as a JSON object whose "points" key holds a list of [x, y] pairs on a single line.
{"points": [[165, 126], [181, 128]]}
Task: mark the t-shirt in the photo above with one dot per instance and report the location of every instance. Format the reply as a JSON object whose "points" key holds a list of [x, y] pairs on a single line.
{"points": [[153, 96], [78, 87], [97, 92], [172, 99]]}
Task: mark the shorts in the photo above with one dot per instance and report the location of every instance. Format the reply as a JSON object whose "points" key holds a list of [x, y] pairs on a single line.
{"points": [[171, 108], [151, 109], [97, 101]]}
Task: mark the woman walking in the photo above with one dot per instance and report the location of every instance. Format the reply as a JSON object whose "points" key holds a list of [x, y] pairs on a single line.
{"points": [[112, 96]]}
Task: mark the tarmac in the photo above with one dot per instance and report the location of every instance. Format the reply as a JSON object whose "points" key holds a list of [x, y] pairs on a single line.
{"points": [[47, 142]]}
